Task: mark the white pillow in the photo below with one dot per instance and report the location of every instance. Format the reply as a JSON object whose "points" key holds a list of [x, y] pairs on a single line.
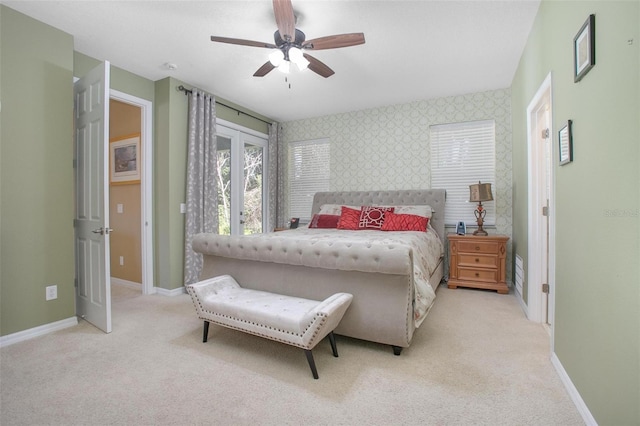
{"points": [[424, 210], [334, 209]]}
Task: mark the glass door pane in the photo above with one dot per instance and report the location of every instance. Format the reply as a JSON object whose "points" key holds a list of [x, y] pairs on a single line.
{"points": [[223, 175], [253, 188]]}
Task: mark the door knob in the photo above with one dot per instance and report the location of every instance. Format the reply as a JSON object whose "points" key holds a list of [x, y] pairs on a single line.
{"points": [[102, 231]]}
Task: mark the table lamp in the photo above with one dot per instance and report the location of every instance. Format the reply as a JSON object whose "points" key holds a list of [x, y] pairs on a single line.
{"points": [[479, 192]]}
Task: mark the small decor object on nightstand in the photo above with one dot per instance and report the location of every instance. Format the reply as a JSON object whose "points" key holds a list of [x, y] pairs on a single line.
{"points": [[294, 222], [478, 193]]}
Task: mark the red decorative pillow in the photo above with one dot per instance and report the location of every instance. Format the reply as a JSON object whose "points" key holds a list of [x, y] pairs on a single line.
{"points": [[349, 219], [404, 222], [324, 221], [373, 217]]}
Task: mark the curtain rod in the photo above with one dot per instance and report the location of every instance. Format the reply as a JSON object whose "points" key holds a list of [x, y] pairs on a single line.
{"points": [[185, 90]]}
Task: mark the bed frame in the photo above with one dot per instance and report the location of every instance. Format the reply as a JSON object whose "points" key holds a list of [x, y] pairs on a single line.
{"points": [[381, 310]]}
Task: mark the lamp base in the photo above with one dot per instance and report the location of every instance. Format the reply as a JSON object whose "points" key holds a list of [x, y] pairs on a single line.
{"points": [[480, 232]]}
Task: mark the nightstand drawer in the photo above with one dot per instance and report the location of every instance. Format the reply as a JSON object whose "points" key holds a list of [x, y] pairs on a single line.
{"points": [[486, 275], [489, 247], [477, 260]]}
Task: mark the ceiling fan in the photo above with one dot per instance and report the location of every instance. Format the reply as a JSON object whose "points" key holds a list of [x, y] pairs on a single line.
{"points": [[290, 44]]}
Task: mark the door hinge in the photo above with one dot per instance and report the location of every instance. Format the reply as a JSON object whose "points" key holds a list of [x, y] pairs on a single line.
{"points": [[545, 211], [75, 282], [545, 288]]}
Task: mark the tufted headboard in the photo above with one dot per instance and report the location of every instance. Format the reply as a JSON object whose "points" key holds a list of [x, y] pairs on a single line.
{"points": [[411, 197]]}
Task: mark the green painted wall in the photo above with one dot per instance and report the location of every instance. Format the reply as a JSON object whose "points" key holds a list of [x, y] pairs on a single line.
{"points": [[597, 313], [36, 173], [170, 178]]}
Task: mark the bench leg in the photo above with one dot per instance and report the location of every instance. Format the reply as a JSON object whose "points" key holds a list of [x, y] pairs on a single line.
{"points": [[332, 340], [312, 363], [205, 333], [397, 350]]}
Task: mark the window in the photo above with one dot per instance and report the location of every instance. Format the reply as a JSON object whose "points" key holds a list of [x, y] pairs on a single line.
{"points": [[463, 154], [308, 174]]}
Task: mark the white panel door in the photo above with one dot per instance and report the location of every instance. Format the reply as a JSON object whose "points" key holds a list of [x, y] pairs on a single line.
{"points": [[91, 154]]}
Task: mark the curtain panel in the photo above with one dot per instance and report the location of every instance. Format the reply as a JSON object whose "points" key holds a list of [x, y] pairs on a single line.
{"points": [[201, 191], [276, 181]]}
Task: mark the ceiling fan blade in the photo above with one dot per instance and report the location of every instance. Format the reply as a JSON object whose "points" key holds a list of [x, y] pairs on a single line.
{"points": [[264, 70], [318, 67], [334, 41], [243, 42], [286, 21]]}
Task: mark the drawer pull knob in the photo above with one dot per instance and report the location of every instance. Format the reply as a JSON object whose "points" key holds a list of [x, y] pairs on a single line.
{"points": [[477, 247], [477, 260], [477, 274]]}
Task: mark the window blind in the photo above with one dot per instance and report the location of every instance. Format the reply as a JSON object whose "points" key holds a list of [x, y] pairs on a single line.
{"points": [[308, 174], [463, 154]]}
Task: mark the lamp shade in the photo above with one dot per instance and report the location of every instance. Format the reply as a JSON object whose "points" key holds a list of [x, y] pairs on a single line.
{"points": [[479, 192]]}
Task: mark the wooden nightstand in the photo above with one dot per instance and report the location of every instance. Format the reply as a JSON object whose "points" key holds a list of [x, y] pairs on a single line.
{"points": [[479, 262]]}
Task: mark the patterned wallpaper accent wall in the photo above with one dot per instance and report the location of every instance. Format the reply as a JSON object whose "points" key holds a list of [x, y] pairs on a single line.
{"points": [[389, 148]]}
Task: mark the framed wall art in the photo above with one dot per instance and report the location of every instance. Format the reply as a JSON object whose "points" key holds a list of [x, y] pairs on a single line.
{"points": [[584, 49], [565, 142], [125, 160]]}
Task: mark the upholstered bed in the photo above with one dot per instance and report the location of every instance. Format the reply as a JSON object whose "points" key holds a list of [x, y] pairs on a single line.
{"points": [[392, 275]]}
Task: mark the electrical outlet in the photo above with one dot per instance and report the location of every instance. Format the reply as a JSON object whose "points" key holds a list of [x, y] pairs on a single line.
{"points": [[121, 260], [51, 292]]}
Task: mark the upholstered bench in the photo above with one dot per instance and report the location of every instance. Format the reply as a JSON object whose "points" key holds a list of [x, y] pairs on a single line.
{"points": [[291, 320]]}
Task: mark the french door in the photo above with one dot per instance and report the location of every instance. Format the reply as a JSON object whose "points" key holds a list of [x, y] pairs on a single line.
{"points": [[242, 180]]}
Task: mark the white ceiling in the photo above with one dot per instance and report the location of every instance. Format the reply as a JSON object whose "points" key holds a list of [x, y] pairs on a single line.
{"points": [[414, 49]]}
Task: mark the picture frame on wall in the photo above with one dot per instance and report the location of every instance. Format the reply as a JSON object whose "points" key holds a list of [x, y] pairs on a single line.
{"points": [[565, 144], [125, 160], [584, 49]]}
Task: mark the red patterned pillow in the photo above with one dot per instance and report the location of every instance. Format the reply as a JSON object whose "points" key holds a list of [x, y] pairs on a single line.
{"points": [[404, 222], [349, 219], [324, 221], [373, 217]]}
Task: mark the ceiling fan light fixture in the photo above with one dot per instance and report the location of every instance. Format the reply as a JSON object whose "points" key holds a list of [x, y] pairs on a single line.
{"points": [[295, 54], [302, 64], [276, 57], [284, 67]]}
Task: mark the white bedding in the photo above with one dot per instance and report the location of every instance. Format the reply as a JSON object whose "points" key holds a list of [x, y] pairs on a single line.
{"points": [[426, 246]]}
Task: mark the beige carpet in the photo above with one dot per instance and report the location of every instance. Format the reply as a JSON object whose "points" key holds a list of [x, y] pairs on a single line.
{"points": [[475, 361]]}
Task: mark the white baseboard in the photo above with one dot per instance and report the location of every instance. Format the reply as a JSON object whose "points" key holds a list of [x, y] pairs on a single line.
{"points": [[174, 292], [125, 283], [523, 306], [21, 336], [573, 392]]}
